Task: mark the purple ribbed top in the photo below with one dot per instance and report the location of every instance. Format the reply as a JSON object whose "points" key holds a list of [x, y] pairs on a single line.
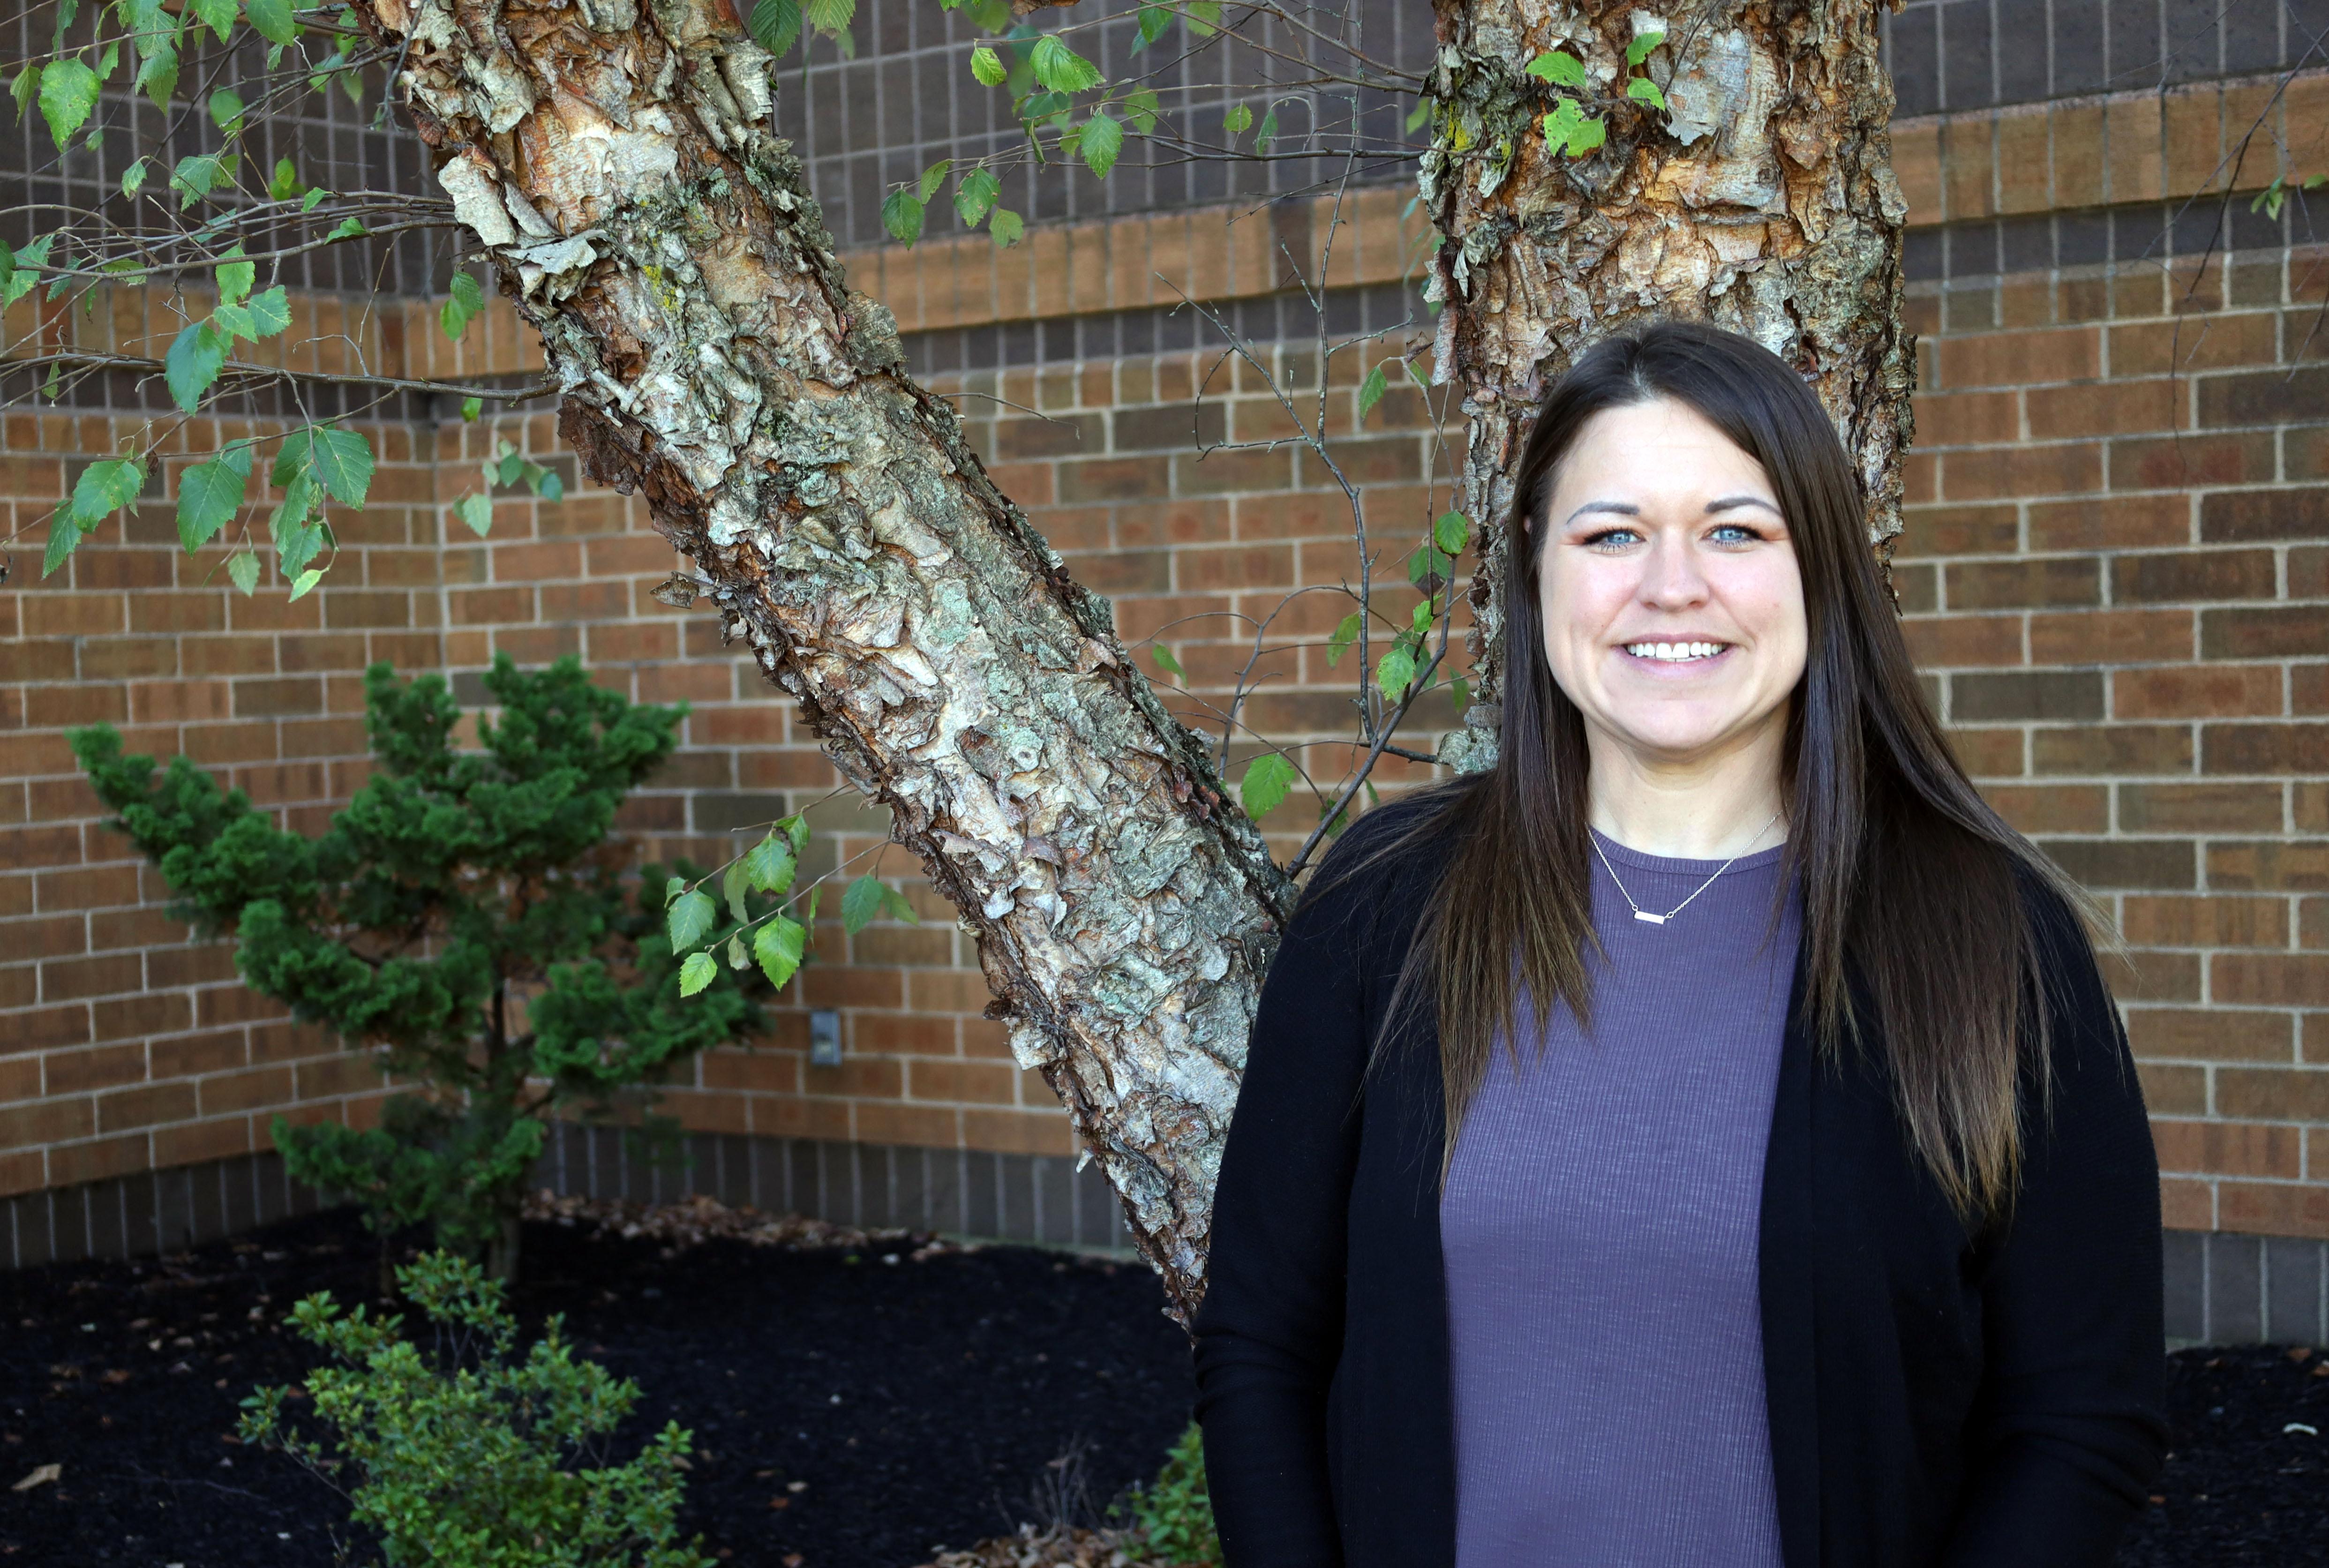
{"points": [[1599, 1226]]}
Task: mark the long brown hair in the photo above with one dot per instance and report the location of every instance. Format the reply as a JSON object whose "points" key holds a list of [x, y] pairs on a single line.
{"points": [[1911, 884]]}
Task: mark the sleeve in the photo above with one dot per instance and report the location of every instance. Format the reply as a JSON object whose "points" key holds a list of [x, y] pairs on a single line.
{"points": [[1269, 1331], [2071, 1428]]}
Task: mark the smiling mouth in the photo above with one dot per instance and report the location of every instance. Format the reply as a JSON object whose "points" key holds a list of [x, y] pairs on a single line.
{"points": [[1675, 653]]}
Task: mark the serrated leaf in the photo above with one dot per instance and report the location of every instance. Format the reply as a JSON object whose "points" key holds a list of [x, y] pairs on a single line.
{"points": [[1587, 137], [775, 24], [1238, 119], [733, 885], [986, 67], [133, 178], [933, 177], [1565, 118], [901, 214], [226, 109], [68, 93], [778, 945], [1394, 674], [1102, 140], [343, 462], [25, 89], [196, 177], [1642, 90], [1005, 226], [769, 865], [347, 229], [235, 277], [1204, 17], [672, 888], [505, 469], [158, 74], [272, 20], [478, 511], [1057, 66], [860, 902], [209, 494], [306, 581], [696, 972], [1167, 663], [1557, 67], [830, 16], [1344, 636], [105, 487], [64, 537], [296, 545], [689, 918], [242, 571], [1644, 45], [196, 356], [1266, 780], [1140, 110], [1154, 21], [899, 907], [270, 312], [974, 198], [795, 830], [217, 13], [1370, 390], [1451, 530]]}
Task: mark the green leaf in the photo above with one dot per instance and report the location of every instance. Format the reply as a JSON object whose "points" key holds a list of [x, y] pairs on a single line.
{"points": [[1559, 68], [348, 229], [769, 865], [226, 109], [1204, 17], [974, 198], [986, 67], [1103, 139], [283, 184], [933, 177], [1005, 226], [270, 312], [470, 409], [548, 485], [242, 571], [1451, 530], [25, 89], [1167, 663], [860, 903], [778, 946], [795, 830], [1420, 113], [476, 510], [696, 973], [1565, 118], [1140, 110], [738, 957], [158, 74], [235, 277], [196, 177], [1057, 66], [64, 537], [901, 214], [830, 16], [671, 889], [219, 13], [1463, 690], [1268, 133], [196, 357], [1154, 21], [689, 918], [1426, 564], [1237, 120], [306, 581], [209, 494], [1587, 137], [296, 545], [313, 198], [133, 178], [505, 469], [1344, 636], [1642, 47], [1642, 90], [105, 487], [466, 300], [1394, 674], [899, 907], [343, 461], [68, 93], [271, 19], [775, 24], [1370, 390], [732, 887], [1266, 780]]}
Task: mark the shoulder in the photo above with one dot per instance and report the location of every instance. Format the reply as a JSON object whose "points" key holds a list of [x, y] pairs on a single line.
{"points": [[1390, 855]]}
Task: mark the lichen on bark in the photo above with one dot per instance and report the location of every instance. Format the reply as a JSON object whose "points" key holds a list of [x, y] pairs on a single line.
{"points": [[619, 164], [1761, 200]]}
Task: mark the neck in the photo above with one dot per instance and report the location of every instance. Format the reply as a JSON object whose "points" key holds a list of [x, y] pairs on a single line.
{"points": [[1708, 808]]}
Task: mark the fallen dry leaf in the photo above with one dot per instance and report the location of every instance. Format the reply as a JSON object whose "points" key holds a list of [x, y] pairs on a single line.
{"points": [[40, 1478]]}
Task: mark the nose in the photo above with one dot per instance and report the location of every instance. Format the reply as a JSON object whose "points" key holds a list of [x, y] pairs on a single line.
{"points": [[1671, 578]]}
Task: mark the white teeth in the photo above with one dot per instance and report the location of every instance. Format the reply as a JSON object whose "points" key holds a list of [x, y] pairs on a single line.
{"points": [[1674, 651]]}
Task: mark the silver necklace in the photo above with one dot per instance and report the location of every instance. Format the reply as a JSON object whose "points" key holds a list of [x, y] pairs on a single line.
{"points": [[1658, 920]]}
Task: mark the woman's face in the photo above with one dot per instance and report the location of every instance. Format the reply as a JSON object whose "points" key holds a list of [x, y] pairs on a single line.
{"points": [[1673, 607]]}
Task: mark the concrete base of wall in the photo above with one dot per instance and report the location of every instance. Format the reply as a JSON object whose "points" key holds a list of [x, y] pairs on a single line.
{"points": [[2221, 1289]]}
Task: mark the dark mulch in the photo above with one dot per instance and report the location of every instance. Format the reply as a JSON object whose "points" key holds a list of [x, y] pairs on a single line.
{"points": [[920, 1403], [2240, 1489]]}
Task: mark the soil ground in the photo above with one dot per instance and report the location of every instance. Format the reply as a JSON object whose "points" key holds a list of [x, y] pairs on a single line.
{"points": [[916, 1405]]}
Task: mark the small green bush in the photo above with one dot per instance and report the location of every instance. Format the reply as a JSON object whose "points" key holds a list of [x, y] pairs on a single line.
{"points": [[466, 1455], [1174, 1514]]}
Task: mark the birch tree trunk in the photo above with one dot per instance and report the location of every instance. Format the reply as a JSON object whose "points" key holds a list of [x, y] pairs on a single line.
{"points": [[618, 163], [1762, 201]]}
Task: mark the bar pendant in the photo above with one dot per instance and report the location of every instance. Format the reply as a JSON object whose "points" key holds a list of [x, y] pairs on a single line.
{"points": [[1655, 920]]}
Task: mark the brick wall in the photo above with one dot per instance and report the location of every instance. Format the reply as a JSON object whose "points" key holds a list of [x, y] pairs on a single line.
{"points": [[2114, 573]]}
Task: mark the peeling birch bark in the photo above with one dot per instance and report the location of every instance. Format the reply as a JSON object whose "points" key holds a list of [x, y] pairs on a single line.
{"points": [[1763, 202], [619, 162]]}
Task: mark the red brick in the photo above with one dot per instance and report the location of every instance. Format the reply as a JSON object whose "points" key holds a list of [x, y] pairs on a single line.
{"points": [[2197, 691]]}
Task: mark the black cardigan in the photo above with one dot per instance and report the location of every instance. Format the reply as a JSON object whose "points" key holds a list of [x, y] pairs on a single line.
{"points": [[1936, 1398]]}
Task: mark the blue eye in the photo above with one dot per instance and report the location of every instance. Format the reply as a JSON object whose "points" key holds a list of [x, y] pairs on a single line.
{"points": [[1613, 539], [1733, 534]]}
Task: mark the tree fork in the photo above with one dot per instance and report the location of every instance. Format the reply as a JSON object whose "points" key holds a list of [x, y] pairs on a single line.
{"points": [[1761, 199], [617, 163]]}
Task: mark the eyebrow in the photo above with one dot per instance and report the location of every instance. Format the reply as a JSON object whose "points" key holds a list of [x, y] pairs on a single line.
{"points": [[1628, 509]]}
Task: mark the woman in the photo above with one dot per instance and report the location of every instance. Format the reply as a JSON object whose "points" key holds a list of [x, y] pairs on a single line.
{"points": [[1705, 1137]]}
